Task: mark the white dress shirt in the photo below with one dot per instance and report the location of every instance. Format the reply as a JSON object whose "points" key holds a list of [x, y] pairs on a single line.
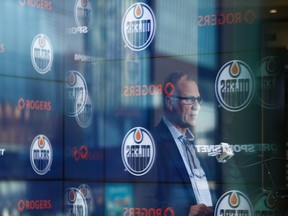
{"points": [[196, 174]]}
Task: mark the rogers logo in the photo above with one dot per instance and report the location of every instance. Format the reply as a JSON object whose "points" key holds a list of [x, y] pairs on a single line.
{"points": [[142, 90], [230, 18], [34, 105], [148, 212], [83, 153], [34, 205], [40, 4], [169, 89]]}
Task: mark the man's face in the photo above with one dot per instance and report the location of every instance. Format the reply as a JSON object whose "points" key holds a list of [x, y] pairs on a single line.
{"points": [[184, 115]]}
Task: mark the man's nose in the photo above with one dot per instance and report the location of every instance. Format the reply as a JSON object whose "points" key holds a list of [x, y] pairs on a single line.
{"points": [[196, 105]]}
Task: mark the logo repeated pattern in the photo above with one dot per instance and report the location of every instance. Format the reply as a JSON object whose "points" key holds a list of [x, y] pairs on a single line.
{"points": [[41, 154], [234, 86], [138, 26], [76, 93], [42, 53], [138, 151], [268, 80], [83, 13], [233, 202]]}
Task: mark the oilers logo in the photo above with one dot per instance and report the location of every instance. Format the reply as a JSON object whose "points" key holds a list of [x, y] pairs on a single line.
{"points": [[83, 13], [87, 194], [85, 117], [41, 53], [76, 93], [267, 204], [268, 81], [138, 26], [138, 151], [234, 86], [41, 154], [75, 203], [233, 203]]}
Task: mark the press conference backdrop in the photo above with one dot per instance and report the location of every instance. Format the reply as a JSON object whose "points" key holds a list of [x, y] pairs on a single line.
{"points": [[81, 86]]}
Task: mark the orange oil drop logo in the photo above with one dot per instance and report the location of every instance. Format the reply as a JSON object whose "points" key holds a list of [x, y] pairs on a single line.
{"points": [[138, 11], [234, 200], [271, 200], [271, 65], [72, 78], [234, 70], [138, 136], [72, 196], [84, 3], [84, 191], [41, 142], [42, 41]]}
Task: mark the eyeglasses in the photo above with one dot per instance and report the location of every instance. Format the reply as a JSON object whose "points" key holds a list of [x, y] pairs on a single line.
{"points": [[189, 100]]}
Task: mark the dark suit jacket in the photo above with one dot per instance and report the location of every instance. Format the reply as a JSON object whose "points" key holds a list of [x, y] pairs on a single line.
{"points": [[172, 187]]}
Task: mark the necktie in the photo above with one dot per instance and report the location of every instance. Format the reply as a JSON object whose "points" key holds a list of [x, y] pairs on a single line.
{"points": [[197, 177], [192, 159]]}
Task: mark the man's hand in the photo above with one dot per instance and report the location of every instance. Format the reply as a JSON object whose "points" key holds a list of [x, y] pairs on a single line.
{"points": [[200, 210]]}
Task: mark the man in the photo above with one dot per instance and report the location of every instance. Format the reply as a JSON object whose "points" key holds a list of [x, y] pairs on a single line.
{"points": [[181, 180]]}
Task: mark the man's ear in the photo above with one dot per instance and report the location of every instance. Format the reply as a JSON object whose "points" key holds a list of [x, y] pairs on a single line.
{"points": [[169, 103]]}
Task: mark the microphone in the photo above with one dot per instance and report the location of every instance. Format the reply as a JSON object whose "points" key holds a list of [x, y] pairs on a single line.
{"points": [[224, 152]]}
